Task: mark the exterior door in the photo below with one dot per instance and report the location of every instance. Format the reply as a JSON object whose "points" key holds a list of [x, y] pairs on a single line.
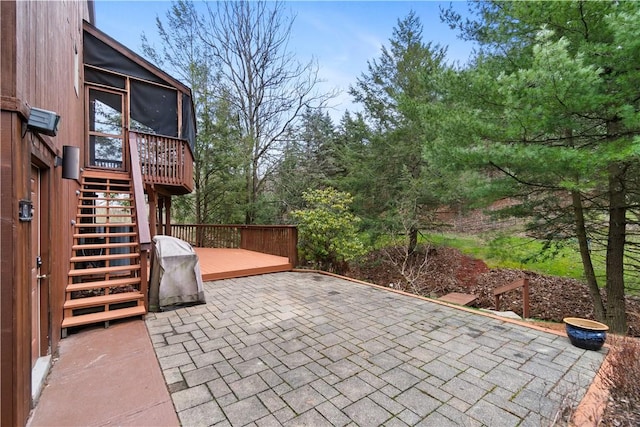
{"points": [[106, 128], [36, 299]]}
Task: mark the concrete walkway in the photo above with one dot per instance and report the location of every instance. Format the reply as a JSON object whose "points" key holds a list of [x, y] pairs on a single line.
{"points": [[105, 377], [310, 349]]}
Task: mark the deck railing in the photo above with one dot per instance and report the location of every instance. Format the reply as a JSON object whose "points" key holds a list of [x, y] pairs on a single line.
{"points": [[164, 160], [144, 234], [280, 240]]}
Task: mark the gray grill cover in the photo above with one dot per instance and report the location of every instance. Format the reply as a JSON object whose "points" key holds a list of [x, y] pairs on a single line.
{"points": [[175, 274]]}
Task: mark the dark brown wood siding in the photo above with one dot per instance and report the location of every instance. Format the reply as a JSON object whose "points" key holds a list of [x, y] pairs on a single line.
{"points": [[41, 49]]}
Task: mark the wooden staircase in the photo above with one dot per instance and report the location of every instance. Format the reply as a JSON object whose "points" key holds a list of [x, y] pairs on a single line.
{"points": [[105, 280]]}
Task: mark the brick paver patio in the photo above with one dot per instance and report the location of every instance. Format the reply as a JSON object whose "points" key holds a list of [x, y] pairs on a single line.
{"points": [[310, 349]]}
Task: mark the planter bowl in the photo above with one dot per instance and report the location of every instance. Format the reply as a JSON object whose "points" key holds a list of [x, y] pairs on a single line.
{"points": [[586, 334]]}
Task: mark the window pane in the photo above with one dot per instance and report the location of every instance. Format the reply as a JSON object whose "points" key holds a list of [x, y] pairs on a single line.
{"points": [[103, 77], [105, 112], [155, 107], [106, 152]]}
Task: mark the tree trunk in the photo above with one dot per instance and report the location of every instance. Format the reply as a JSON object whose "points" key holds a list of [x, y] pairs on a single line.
{"points": [[616, 316], [413, 240], [249, 200], [585, 254]]}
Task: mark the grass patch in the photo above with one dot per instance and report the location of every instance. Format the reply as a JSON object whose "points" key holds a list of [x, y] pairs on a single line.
{"points": [[501, 251]]}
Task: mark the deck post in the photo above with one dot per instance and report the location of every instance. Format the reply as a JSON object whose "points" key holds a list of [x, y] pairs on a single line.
{"points": [[524, 284], [161, 215], [153, 211], [199, 236], [167, 222], [293, 246]]}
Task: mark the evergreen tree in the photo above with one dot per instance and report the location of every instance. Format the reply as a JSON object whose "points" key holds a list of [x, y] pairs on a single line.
{"points": [[395, 84], [553, 100], [307, 162]]}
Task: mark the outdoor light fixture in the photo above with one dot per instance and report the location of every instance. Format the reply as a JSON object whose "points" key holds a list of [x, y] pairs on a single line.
{"points": [[25, 210], [70, 162], [43, 121]]}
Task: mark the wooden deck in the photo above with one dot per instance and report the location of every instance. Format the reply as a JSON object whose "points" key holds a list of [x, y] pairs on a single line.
{"points": [[216, 264]]}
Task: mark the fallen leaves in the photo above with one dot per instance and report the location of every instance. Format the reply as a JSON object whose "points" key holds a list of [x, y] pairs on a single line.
{"points": [[448, 270]]}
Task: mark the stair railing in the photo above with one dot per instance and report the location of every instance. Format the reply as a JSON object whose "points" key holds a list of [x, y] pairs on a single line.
{"points": [[142, 222]]}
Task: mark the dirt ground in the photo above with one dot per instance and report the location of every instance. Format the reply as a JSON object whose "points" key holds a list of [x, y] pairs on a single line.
{"points": [[442, 270]]}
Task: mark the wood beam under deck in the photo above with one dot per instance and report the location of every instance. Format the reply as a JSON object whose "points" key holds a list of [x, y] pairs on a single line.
{"points": [[153, 209]]}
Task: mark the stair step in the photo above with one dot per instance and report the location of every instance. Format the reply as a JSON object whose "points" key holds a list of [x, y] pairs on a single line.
{"points": [[111, 257], [102, 185], [94, 235], [100, 193], [106, 206], [103, 316], [104, 215], [108, 199], [106, 246], [111, 188], [103, 270], [105, 224], [122, 205], [97, 183], [117, 180], [113, 283], [99, 173], [102, 182], [102, 300]]}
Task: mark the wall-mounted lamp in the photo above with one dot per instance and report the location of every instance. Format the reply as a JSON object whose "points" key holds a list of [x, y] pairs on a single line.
{"points": [[43, 121], [70, 162], [25, 210]]}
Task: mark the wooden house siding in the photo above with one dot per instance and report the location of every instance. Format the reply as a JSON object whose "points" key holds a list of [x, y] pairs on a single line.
{"points": [[41, 49]]}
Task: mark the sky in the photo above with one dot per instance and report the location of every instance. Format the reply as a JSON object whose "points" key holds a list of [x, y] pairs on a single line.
{"points": [[340, 35]]}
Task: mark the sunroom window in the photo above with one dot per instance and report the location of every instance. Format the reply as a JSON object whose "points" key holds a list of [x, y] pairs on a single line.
{"points": [[106, 129]]}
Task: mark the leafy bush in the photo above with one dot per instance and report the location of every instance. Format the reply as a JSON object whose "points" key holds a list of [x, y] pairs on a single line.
{"points": [[327, 230]]}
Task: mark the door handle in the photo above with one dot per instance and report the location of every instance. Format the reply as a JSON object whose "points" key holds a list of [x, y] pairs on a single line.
{"points": [[41, 276]]}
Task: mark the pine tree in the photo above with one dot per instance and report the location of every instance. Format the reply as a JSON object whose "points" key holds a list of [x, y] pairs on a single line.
{"points": [[553, 98]]}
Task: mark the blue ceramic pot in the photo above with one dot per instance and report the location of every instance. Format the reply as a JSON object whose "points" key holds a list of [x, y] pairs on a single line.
{"points": [[586, 334]]}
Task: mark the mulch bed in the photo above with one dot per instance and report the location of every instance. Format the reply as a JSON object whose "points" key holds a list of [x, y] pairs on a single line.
{"points": [[448, 270]]}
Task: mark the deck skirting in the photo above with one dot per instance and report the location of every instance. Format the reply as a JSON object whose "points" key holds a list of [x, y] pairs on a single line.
{"points": [[218, 264]]}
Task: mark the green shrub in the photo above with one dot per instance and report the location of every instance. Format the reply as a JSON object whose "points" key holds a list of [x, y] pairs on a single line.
{"points": [[327, 230]]}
